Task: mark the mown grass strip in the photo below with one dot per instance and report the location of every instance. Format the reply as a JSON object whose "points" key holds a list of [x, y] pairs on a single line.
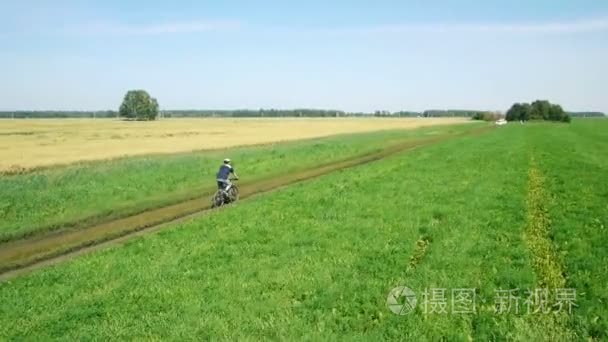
{"points": [[546, 261], [422, 245], [556, 325]]}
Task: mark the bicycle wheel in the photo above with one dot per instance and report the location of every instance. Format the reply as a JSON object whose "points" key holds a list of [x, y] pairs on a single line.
{"points": [[217, 199], [234, 193]]}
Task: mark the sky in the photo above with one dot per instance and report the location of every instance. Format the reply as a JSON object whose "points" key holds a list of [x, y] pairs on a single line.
{"points": [[349, 55]]}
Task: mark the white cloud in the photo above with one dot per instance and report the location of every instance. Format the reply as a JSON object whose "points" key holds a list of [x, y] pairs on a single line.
{"points": [[158, 29], [573, 26], [100, 28]]}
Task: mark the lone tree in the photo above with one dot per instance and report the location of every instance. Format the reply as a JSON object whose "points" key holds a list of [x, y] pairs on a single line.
{"points": [[538, 110], [138, 104]]}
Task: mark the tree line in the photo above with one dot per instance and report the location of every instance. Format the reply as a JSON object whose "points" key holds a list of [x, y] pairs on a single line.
{"points": [[586, 114], [537, 110], [248, 113], [139, 105], [55, 114], [238, 113]]}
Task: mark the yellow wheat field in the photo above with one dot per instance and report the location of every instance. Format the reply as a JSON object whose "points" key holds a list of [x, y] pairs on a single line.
{"points": [[31, 143]]}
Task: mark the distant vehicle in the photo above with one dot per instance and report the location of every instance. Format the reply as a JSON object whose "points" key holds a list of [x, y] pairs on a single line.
{"points": [[501, 122]]}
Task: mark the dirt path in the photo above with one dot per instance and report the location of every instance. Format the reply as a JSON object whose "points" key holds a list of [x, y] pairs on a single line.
{"points": [[22, 256]]}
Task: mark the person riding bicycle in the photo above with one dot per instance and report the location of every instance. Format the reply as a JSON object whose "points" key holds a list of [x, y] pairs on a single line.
{"points": [[222, 176]]}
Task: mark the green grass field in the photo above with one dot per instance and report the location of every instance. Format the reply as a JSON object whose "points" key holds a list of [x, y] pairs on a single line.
{"points": [[520, 207], [89, 192]]}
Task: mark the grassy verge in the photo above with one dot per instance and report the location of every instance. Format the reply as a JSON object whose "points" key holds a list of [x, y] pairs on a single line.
{"points": [[88, 193]]}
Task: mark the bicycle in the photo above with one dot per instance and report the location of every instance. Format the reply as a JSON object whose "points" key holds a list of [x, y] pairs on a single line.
{"points": [[226, 196]]}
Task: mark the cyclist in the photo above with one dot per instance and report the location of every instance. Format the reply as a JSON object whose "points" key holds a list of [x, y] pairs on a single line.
{"points": [[222, 176]]}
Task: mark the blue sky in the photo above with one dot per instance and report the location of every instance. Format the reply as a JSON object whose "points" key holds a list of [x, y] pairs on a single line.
{"points": [[350, 55]]}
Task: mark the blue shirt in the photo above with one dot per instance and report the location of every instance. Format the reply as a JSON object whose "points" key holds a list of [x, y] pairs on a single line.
{"points": [[224, 171]]}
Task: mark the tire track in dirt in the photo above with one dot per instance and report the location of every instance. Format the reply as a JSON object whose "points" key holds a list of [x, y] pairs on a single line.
{"points": [[22, 256]]}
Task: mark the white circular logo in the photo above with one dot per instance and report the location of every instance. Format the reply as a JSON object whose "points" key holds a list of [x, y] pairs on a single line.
{"points": [[401, 300]]}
